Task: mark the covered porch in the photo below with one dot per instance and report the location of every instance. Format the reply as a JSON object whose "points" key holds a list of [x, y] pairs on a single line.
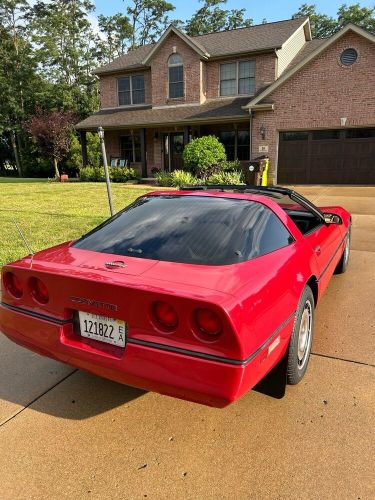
{"points": [[153, 139]]}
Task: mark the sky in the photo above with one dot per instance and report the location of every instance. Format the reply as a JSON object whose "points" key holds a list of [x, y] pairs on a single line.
{"points": [[274, 10]]}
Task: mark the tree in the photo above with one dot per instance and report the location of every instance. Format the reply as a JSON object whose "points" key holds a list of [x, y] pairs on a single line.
{"points": [[148, 18], [52, 134], [65, 48], [17, 73], [211, 18], [361, 16], [118, 34], [322, 26]]}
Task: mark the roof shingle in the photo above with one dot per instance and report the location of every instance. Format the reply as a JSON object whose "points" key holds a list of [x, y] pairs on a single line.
{"points": [[223, 43], [144, 117]]}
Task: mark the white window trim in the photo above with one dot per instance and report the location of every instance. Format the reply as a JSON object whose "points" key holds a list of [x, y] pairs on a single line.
{"points": [[131, 90], [237, 76]]}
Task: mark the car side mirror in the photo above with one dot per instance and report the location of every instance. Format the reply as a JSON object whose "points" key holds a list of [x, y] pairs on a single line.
{"points": [[332, 218]]}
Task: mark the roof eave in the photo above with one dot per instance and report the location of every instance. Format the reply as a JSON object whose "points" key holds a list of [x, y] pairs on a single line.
{"points": [[185, 38]]}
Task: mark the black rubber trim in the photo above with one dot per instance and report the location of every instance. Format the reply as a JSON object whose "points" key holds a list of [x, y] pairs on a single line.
{"points": [[37, 315], [211, 357], [333, 256], [163, 347]]}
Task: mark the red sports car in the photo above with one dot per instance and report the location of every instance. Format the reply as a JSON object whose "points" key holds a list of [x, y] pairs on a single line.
{"points": [[198, 294]]}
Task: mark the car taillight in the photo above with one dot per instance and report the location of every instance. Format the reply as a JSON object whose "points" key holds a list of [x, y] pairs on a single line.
{"points": [[39, 291], [13, 285], [165, 315], [208, 322]]}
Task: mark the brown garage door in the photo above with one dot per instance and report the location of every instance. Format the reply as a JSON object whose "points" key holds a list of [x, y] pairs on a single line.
{"points": [[345, 156]]}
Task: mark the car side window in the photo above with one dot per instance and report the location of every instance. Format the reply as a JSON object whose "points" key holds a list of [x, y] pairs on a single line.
{"points": [[304, 219]]}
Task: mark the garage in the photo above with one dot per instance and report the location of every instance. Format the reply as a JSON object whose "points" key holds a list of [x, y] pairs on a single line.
{"points": [[337, 156]]}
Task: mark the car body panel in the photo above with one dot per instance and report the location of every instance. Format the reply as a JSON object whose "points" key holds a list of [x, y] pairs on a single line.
{"points": [[256, 301]]}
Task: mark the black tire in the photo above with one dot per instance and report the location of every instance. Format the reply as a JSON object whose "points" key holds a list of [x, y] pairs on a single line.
{"points": [[301, 339], [343, 262]]}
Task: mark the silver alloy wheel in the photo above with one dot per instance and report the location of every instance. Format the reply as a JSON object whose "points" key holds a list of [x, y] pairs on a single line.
{"points": [[304, 335]]}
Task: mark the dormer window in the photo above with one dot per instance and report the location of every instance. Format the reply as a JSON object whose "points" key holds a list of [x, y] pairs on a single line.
{"points": [[131, 90], [176, 76]]}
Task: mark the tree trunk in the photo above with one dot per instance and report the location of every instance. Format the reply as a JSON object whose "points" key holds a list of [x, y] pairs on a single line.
{"points": [[57, 173], [15, 151]]}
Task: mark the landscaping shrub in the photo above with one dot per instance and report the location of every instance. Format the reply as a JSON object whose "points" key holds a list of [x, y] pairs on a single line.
{"points": [[116, 174], [230, 166], [181, 178], [164, 179], [92, 174], [123, 174], [201, 154], [225, 178]]}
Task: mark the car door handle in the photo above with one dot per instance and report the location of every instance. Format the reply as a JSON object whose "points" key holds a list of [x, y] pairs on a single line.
{"points": [[318, 250]]}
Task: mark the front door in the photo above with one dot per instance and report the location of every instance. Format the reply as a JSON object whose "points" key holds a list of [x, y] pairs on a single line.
{"points": [[173, 148]]}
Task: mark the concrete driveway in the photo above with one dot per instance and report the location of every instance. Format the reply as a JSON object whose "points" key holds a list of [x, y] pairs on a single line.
{"points": [[67, 434]]}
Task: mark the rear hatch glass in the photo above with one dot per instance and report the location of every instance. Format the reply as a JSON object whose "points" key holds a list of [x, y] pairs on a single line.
{"points": [[190, 229]]}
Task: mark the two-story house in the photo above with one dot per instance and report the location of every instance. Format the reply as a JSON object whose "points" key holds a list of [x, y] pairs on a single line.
{"points": [[268, 89]]}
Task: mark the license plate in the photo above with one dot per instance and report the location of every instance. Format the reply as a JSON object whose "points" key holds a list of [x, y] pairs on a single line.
{"points": [[104, 329]]}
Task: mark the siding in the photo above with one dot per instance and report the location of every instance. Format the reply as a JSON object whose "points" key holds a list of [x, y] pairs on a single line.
{"points": [[290, 49]]}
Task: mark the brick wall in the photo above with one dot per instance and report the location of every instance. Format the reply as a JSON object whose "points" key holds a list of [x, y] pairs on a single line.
{"points": [[265, 70], [108, 88], [320, 94], [159, 72]]}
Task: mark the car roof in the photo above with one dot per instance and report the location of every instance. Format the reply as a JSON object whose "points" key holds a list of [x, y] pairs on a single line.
{"points": [[261, 194]]}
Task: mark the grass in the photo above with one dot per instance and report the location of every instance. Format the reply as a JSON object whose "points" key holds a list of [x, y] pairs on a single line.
{"points": [[49, 213]]}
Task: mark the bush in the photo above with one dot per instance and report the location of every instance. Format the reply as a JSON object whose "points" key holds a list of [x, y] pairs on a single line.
{"points": [[225, 178], [92, 174], [116, 174], [230, 166], [203, 153], [181, 178], [164, 179], [123, 174]]}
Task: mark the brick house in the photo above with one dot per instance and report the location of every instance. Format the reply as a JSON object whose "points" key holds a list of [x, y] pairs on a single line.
{"points": [[267, 89]]}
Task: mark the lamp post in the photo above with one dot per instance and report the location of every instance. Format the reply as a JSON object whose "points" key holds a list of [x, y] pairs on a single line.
{"points": [[109, 192]]}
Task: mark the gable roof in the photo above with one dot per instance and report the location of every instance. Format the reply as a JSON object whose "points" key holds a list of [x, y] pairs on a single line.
{"points": [[187, 39], [310, 52], [258, 38]]}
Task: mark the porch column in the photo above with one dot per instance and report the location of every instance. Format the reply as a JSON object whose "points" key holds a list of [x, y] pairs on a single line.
{"points": [[143, 152], [83, 141]]}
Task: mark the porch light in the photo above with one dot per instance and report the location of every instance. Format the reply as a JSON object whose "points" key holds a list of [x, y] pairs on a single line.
{"points": [[262, 131], [101, 133]]}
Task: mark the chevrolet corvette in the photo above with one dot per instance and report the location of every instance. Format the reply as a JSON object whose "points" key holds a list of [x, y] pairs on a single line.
{"points": [[200, 293]]}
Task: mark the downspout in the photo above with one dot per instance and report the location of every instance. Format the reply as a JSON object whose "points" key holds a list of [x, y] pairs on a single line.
{"points": [[251, 133]]}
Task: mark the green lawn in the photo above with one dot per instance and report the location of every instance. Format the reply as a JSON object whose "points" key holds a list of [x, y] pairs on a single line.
{"points": [[52, 212]]}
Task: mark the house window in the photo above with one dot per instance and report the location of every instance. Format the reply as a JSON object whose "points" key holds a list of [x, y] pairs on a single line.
{"points": [[228, 139], [237, 78], [236, 144], [130, 147], [131, 90], [176, 76], [243, 145]]}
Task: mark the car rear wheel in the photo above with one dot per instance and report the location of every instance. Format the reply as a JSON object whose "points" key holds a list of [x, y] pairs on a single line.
{"points": [[343, 262], [301, 339]]}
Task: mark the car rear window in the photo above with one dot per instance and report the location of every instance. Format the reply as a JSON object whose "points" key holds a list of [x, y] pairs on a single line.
{"points": [[190, 229]]}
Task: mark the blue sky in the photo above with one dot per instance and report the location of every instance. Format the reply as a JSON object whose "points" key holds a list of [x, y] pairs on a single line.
{"points": [[272, 10]]}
